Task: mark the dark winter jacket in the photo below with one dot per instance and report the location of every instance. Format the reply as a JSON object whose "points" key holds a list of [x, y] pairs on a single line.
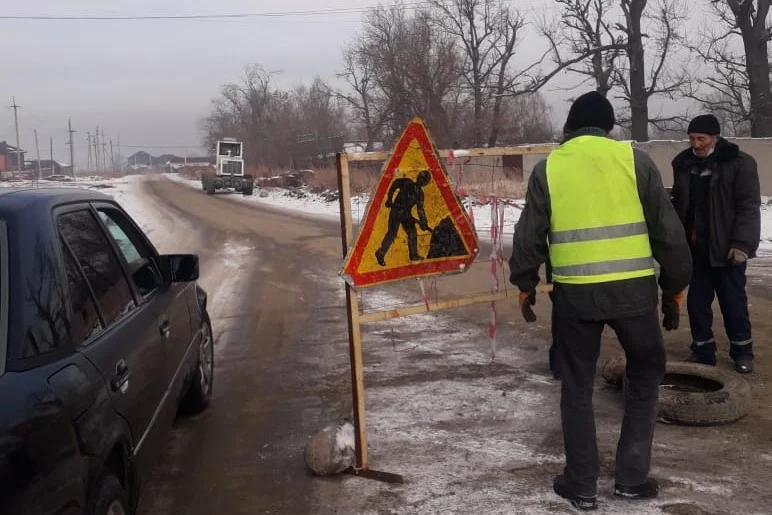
{"points": [[733, 202], [612, 300]]}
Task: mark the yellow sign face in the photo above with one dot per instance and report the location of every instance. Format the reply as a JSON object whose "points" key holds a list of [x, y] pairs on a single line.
{"points": [[414, 225]]}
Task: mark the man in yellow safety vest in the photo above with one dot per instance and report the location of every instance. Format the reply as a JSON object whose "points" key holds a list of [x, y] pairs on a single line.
{"points": [[597, 209]]}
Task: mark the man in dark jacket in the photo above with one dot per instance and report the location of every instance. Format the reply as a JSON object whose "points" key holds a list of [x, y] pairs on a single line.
{"points": [[716, 194], [598, 210]]}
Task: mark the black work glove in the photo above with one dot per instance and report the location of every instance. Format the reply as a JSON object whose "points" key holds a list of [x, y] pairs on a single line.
{"points": [[671, 309], [526, 300]]}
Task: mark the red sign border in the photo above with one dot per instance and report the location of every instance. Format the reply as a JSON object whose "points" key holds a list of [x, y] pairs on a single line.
{"points": [[415, 130]]}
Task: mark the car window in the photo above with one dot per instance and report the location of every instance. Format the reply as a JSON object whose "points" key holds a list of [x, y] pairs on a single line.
{"points": [[99, 263], [43, 306], [139, 257], [85, 322]]}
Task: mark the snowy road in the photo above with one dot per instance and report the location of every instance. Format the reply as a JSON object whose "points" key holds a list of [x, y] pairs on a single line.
{"points": [[469, 435]]}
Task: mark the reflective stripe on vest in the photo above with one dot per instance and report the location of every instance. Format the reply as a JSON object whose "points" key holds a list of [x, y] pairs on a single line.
{"points": [[598, 232]]}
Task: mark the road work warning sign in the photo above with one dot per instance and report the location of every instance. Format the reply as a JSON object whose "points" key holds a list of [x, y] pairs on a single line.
{"points": [[414, 225]]}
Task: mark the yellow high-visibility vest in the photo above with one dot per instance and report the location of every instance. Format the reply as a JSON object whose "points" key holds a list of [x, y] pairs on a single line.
{"points": [[598, 232]]}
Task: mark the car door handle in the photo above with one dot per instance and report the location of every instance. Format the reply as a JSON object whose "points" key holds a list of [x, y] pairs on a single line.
{"points": [[165, 329], [121, 379]]}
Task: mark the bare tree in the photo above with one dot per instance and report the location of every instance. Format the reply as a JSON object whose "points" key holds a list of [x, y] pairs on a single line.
{"points": [[416, 68], [725, 89], [370, 109], [488, 32], [527, 120], [738, 54], [585, 40], [666, 76], [273, 123], [584, 28]]}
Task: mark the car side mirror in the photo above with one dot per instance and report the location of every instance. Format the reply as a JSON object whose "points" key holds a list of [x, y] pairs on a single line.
{"points": [[180, 268]]}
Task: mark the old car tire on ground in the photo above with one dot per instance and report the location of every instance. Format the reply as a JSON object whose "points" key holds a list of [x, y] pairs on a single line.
{"points": [[718, 397], [109, 497], [199, 393]]}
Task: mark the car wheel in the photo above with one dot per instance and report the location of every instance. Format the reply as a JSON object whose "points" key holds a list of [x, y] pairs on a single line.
{"points": [[199, 393], [109, 497]]}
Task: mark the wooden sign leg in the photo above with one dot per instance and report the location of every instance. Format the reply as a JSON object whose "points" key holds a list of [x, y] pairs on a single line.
{"points": [[354, 337]]}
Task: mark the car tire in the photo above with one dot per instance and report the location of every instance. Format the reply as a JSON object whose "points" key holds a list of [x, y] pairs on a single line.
{"points": [[728, 401], [199, 393], [109, 497]]}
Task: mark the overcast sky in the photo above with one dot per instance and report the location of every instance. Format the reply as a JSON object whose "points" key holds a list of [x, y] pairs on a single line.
{"points": [[151, 80]]}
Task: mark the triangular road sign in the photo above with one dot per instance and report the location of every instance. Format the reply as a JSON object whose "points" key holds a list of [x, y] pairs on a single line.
{"points": [[414, 224]]}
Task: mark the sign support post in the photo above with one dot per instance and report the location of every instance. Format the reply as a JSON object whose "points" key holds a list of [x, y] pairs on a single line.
{"points": [[355, 337], [369, 258]]}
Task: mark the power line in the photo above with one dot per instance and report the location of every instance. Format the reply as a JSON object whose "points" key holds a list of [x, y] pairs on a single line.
{"points": [[280, 14]]}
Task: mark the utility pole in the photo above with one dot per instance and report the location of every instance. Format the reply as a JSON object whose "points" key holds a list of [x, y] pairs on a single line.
{"points": [[53, 169], [72, 147], [96, 148], [88, 135], [37, 150], [120, 156], [104, 149], [19, 163], [112, 157]]}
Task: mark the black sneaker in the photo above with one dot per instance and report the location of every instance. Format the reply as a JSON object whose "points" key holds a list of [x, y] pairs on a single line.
{"points": [[702, 359], [743, 366], [580, 502], [649, 489]]}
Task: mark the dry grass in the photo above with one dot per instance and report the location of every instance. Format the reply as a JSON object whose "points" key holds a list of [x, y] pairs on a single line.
{"points": [[504, 188], [327, 178]]}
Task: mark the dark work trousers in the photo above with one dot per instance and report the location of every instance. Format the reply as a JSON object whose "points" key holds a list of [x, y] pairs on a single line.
{"points": [[728, 284], [578, 353], [554, 346]]}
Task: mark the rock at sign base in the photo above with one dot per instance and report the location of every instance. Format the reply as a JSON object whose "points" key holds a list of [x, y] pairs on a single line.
{"points": [[331, 450]]}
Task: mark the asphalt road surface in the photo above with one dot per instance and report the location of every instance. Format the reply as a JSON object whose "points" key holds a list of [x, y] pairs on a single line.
{"points": [[276, 310]]}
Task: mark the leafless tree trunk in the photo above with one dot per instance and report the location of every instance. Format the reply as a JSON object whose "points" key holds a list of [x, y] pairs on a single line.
{"points": [[368, 106], [741, 83], [666, 77], [584, 40], [488, 32], [416, 68], [584, 26]]}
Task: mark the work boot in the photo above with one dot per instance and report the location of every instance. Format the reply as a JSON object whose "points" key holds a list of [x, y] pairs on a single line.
{"points": [[580, 502], [649, 489], [702, 359], [744, 366]]}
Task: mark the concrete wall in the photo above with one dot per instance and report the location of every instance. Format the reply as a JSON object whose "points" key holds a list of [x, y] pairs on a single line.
{"points": [[663, 152]]}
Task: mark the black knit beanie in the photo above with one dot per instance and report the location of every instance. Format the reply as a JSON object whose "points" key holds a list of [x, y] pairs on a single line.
{"points": [[590, 110], [704, 124]]}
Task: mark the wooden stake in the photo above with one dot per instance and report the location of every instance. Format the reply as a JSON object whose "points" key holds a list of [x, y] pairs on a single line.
{"points": [[416, 309], [352, 305], [545, 148]]}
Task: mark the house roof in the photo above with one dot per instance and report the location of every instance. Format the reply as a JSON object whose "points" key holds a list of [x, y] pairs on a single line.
{"points": [[46, 163], [6, 149]]}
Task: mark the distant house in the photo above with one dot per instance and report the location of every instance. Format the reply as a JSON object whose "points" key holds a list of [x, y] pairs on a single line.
{"points": [[140, 159], [9, 157], [48, 168], [166, 159]]}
